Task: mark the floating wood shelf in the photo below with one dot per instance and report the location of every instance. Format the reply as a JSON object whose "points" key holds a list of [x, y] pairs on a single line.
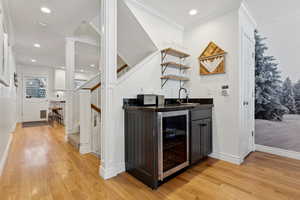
{"points": [[176, 53], [175, 65], [165, 64], [174, 77]]}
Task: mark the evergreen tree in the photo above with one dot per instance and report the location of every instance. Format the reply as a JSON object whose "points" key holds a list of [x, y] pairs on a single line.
{"points": [[297, 96], [287, 96], [268, 84]]}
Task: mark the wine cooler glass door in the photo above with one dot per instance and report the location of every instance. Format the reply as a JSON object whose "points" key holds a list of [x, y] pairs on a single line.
{"points": [[174, 145]]}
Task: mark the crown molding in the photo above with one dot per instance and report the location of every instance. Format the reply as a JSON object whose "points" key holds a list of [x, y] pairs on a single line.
{"points": [[154, 12]]}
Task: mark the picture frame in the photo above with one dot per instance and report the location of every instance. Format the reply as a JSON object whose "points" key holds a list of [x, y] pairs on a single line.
{"points": [[212, 60], [4, 54]]}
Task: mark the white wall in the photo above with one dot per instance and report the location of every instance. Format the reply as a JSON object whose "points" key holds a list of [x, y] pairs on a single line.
{"points": [[8, 100], [8, 118], [163, 33], [59, 79], [224, 32]]}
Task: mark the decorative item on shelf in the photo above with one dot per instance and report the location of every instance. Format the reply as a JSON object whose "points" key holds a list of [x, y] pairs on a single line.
{"points": [[175, 65], [212, 60]]}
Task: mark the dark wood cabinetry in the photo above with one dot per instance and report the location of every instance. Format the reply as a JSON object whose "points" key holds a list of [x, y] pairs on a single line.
{"points": [[141, 153], [201, 135], [143, 129]]}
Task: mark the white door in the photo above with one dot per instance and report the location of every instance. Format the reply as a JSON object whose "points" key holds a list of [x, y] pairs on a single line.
{"points": [[35, 98], [247, 93]]}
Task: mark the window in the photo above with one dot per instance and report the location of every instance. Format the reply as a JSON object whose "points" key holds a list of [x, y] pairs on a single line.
{"points": [[36, 88]]}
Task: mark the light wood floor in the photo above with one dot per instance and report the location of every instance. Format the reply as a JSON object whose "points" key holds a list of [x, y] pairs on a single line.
{"points": [[42, 166]]}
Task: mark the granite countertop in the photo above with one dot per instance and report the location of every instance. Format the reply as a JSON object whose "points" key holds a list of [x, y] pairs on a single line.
{"points": [[167, 108], [170, 105]]}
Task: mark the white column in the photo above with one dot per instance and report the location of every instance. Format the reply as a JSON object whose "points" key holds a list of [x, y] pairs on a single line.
{"points": [[70, 76], [110, 166]]}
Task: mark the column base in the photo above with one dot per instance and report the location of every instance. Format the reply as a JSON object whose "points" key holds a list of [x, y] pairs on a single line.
{"points": [[107, 173]]}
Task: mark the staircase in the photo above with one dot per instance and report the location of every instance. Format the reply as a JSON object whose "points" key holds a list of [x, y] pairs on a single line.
{"points": [[87, 140]]}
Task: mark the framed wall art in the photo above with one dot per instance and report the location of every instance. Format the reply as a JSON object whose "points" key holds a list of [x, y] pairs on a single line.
{"points": [[212, 60], [4, 53]]}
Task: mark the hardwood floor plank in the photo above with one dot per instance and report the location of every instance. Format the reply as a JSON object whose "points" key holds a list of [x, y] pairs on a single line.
{"points": [[41, 165]]}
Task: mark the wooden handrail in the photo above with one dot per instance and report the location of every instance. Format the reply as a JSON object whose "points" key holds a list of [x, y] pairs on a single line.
{"points": [[122, 68], [99, 84], [96, 108], [95, 87]]}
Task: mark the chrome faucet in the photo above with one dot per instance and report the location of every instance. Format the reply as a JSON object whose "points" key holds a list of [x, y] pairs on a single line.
{"points": [[186, 93]]}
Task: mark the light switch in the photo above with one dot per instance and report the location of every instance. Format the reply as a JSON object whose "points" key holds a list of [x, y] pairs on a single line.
{"points": [[225, 90]]}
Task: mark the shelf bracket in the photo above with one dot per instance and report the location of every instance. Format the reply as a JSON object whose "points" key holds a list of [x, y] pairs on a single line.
{"points": [[163, 56], [164, 83], [164, 69]]}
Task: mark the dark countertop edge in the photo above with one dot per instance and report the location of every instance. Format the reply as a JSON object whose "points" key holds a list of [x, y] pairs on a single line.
{"points": [[57, 101], [134, 102], [169, 108], [201, 103]]}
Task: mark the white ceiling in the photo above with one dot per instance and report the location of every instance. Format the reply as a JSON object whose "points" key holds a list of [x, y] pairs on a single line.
{"points": [[178, 10], [66, 17]]}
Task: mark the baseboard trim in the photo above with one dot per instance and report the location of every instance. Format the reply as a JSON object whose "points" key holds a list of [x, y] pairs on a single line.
{"points": [[227, 157], [13, 128], [278, 152], [107, 173], [5, 154], [85, 148], [66, 138]]}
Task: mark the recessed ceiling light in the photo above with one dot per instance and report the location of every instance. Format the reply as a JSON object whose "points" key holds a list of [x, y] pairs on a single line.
{"points": [[81, 70], [92, 65], [45, 10], [193, 12], [37, 45], [33, 60]]}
